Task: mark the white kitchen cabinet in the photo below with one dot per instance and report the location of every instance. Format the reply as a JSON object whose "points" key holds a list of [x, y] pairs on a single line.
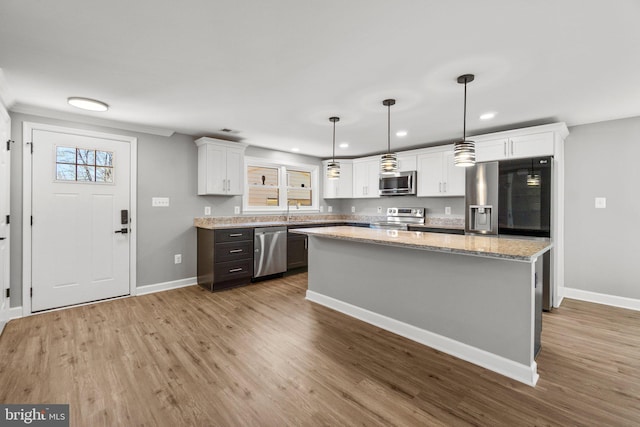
{"points": [[438, 176], [407, 162], [220, 167], [515, 147], [341, 188], [366, 176]]}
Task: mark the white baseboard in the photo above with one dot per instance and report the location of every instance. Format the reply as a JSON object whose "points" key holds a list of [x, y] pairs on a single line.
{"points": [[613, 300], [165, 286], [15, 313], [517, 371]]}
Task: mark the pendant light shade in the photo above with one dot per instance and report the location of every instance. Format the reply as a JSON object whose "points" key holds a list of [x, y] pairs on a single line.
{"points": [[389, 161], [533, 178], [333, 168], [464, 152]]}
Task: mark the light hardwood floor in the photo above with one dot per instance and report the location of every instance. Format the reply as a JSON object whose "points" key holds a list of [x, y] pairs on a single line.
{"points": [[262, 355]]}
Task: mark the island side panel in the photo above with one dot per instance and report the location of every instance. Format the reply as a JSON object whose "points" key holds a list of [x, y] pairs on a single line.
{"points": [[486, 303]]}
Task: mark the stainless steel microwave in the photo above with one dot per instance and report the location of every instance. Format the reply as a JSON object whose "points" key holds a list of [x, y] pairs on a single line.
{"points": [[399, 184]]}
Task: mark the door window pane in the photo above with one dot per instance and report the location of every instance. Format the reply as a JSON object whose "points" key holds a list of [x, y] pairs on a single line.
{"points": [[79, 165]]}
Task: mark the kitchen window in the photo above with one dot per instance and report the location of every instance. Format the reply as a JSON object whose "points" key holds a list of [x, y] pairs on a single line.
{"points": [[271, 186]]}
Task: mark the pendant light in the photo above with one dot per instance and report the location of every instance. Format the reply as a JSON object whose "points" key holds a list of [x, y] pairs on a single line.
{"points": [[464, 152], [389, 161], [333, 168], [533, 178]]}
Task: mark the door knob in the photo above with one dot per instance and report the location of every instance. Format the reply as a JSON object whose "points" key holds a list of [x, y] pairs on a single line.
{"points": [[123, 230]]}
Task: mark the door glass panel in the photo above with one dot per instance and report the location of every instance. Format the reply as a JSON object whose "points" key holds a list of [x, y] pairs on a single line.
{"points": [[66, 172], [84, 165]]}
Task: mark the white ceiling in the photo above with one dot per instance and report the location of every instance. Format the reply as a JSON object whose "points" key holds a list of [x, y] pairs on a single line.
{"points": [[276, 70]]}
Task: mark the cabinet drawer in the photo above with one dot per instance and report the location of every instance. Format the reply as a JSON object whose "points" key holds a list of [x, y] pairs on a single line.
{"points": [[231, 270], [233, 235], [230, 251]]}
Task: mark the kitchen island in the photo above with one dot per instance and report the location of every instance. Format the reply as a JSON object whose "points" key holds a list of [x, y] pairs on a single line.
{"points": [[477, 298]]}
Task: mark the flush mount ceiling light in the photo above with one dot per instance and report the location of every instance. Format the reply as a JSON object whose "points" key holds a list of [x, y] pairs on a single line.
{"points": [[333, 168], [464, 152], [87, 104], [389, 161]]}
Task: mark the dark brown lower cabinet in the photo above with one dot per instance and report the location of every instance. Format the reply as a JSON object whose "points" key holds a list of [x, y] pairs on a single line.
{"points": [[225, 257], [296, 250]]}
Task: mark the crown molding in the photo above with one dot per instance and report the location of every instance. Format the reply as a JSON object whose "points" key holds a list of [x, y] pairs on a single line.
{"points": [[78, 118]]}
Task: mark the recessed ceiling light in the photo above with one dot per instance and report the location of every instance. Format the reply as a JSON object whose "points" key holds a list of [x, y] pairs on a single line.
{"points": [[295, 149], [401, 133], [87, 104], [487, 116], [344, 145]]}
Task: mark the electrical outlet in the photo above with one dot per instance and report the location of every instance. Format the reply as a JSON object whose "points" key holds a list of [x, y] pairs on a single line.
{"points": [[321, 208], [160, 202], [207, 210], [379, 209], [353, 209], [329, 209], [177, 259], [601, 202], [236, 210], [447, 210]]}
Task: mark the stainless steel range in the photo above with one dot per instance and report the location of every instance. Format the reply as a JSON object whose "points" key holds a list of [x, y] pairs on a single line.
{"points": [[401, 218]]}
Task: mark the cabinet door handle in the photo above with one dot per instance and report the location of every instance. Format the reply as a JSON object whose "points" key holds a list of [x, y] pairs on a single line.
{"points": [[235, 234], [235, 251], [504, 144], [439, 187], [235, 270], [444, 187], [511, 141], [306, 243]]}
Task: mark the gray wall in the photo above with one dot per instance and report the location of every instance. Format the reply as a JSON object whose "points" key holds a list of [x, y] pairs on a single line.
{"points": [[602, 253], [167, 167]]}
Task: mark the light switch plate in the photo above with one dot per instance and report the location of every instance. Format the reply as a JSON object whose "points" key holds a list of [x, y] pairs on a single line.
{"points": [[353, 209], [601, 202], [236, 210], [329, 208], [321, 208], [379, 209], [160, 202], [447, 210], [177, 259], [207, 210]]}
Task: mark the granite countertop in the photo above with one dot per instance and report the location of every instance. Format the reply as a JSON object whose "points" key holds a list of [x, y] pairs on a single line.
{"points": [[491, 247], [214, 223]]}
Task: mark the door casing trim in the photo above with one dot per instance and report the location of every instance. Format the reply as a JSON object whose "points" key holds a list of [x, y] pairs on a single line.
{"points": [[27, 167]]}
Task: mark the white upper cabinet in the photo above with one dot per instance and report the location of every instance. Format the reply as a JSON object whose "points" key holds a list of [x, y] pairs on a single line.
{"points": [[341, 188], [515, 146], [407, 162], [366, 177], [220, 167], [437, 174]]}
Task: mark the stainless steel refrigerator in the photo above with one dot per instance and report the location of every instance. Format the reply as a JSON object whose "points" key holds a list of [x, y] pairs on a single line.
{"points": [[512, 198]]}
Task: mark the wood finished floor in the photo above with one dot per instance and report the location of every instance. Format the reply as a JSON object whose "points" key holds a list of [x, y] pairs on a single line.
{"points": [[262, 355]]}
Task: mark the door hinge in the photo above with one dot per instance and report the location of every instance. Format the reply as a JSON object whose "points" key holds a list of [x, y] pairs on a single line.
{"points": [[8, 293], [9, 144], [31, 144], [31, 219], [30, 292], [8, 217]]}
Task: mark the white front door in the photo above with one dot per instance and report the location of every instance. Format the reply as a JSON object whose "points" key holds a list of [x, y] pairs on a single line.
{"points": [[5, 135], [79, 241]]}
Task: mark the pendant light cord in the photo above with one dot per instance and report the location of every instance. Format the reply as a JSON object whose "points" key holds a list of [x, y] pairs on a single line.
{"points": [[389, 129], [334, 142], [464, 116]]}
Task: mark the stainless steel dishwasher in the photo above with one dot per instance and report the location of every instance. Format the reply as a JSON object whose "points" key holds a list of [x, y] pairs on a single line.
{"points": [[270, 251]]}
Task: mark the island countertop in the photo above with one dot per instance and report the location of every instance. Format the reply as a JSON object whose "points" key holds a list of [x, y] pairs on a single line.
{"points": [[491, 247]]}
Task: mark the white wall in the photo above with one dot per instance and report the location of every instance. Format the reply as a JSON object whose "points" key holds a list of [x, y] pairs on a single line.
{"points": [[602, 254]]}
